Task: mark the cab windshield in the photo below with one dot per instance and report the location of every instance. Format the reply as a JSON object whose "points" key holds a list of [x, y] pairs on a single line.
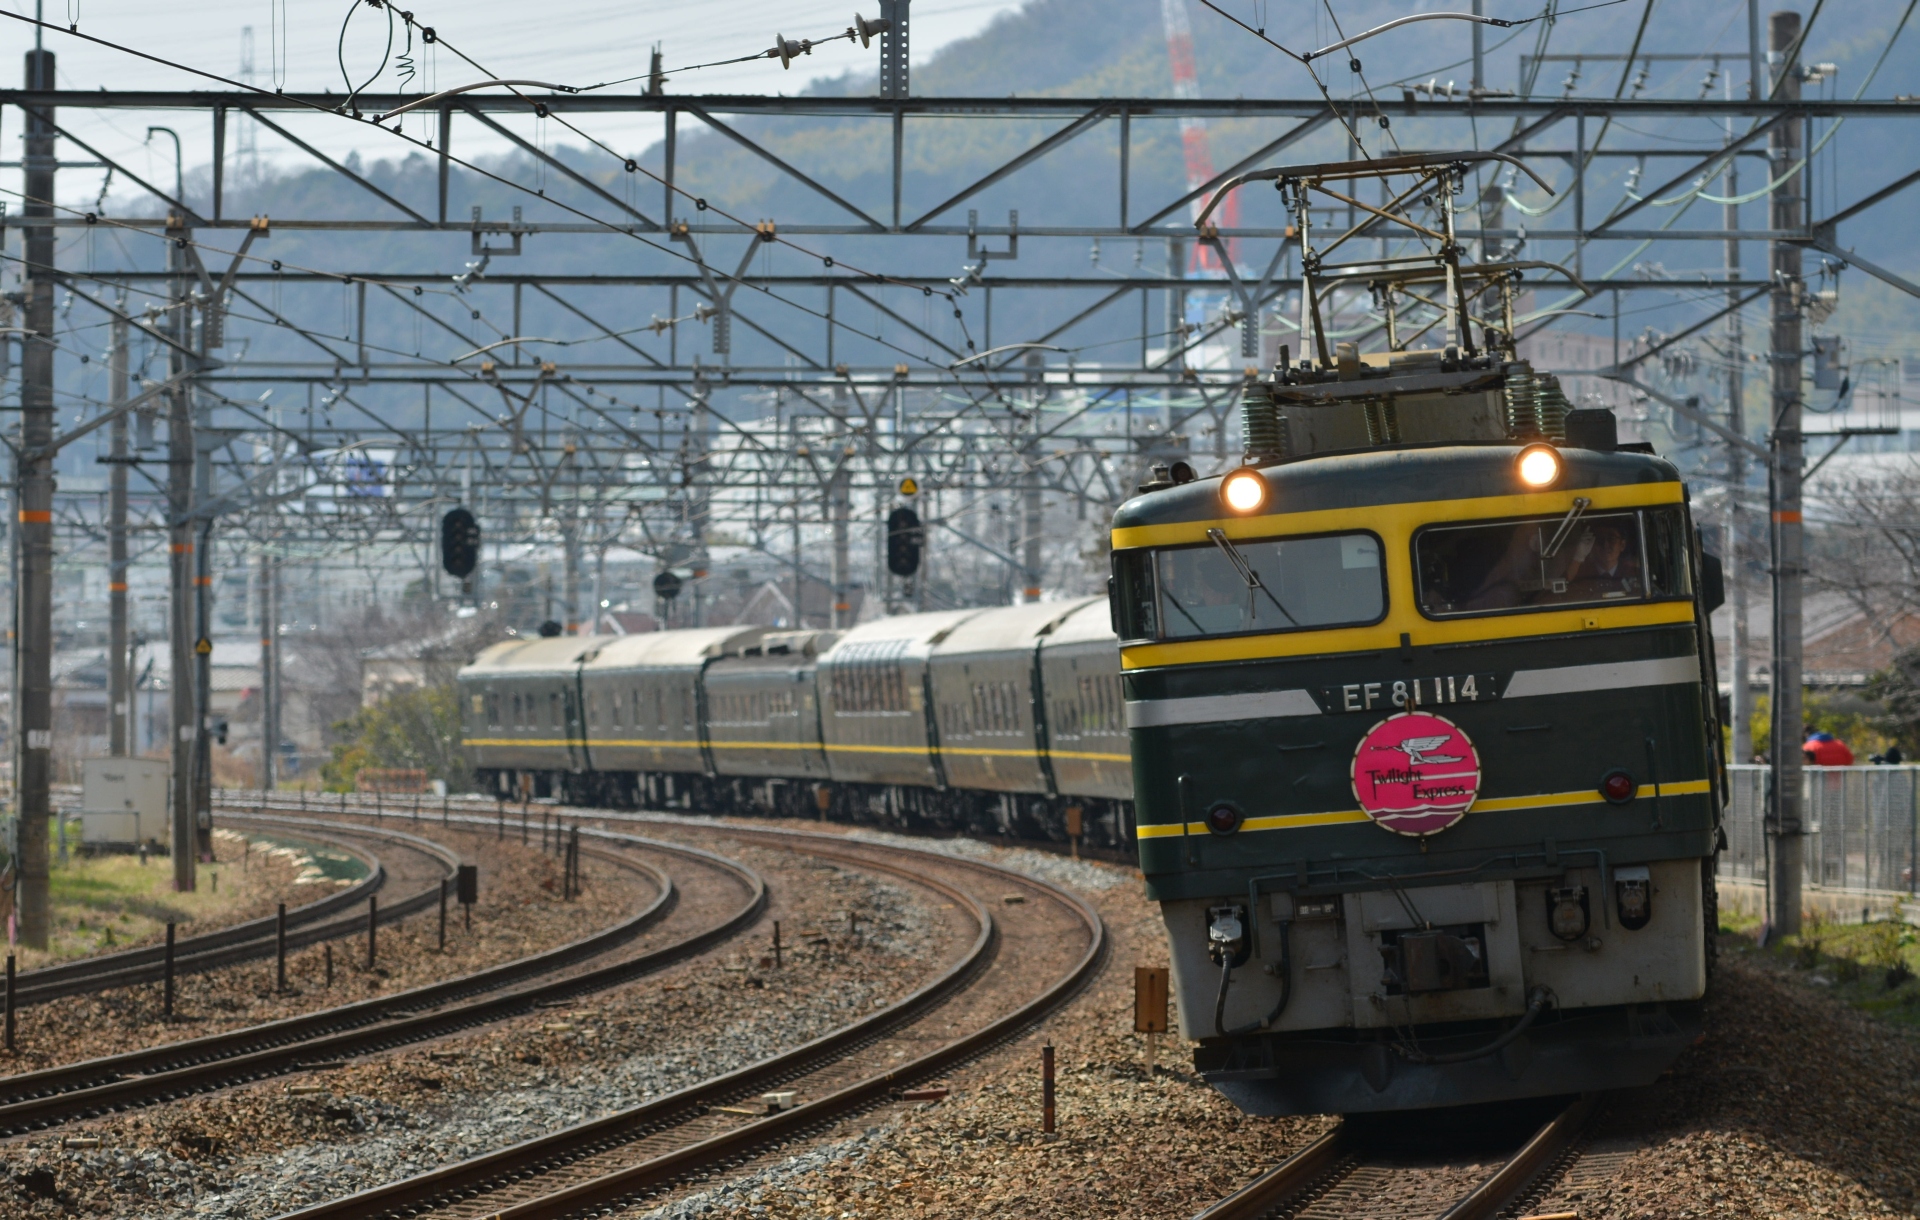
{"points": [[1551, 562], [1263, 585]]}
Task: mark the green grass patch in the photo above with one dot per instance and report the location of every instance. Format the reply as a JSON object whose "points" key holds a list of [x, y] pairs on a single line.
{"points": [[105, 903], [1874, 967]]}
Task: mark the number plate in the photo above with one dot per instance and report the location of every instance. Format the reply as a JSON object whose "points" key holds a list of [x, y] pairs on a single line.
{"points": [[1403, 694]]}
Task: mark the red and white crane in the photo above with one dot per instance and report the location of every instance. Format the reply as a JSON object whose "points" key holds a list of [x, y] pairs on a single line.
{"points": [[1193, 130]]}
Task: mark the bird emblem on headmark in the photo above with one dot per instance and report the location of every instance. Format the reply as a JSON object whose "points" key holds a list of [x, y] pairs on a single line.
{"points": [[1415, 748]]}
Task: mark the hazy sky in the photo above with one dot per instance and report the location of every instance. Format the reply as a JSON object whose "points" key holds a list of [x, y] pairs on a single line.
{"points": [[297, 45]]}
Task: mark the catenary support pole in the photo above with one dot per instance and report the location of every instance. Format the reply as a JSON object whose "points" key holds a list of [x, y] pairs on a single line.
{"points": [[119, 675], [840, 512], [180, 619], [269, 671], [1785, 147], [1740, 704], [34, 481]]}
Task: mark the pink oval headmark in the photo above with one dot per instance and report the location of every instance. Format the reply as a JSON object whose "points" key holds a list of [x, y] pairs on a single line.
{"points": [[1416, 773]]}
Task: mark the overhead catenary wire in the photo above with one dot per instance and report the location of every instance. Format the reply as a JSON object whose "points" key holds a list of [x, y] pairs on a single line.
{"points": [[610, 226]]}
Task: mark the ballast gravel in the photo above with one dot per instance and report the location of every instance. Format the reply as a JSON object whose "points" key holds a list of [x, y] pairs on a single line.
{"points": [[1794, 1105], [264, 1150], [521, 911]]}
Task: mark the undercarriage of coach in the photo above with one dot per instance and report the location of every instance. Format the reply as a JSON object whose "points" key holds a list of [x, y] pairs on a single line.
{"points": [[1095, 822]]}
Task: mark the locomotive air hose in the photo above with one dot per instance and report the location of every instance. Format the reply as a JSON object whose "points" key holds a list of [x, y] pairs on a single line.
{"points": [[1286, 990], [1537, 1002]]}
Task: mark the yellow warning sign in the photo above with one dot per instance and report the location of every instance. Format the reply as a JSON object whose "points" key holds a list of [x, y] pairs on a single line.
{"points": [[203, 646], [908, 487]]}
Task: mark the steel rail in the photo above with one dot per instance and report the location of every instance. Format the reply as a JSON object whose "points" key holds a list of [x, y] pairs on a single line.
{"points": [[1334, 1154], [178, 1069], [462, 1181], [492, 1170], [168, 1057], [222, 947]]}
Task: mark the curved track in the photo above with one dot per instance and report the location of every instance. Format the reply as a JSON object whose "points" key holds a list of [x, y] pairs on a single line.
{"points": [[415, 872], [1026, 959], [1374, 1171], [178, 1069]]}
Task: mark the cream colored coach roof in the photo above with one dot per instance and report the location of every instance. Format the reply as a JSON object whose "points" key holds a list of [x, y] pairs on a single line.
{"points": [[534, 654], [1088, 623], [1009, 627], [928, 628], [688, 646]]}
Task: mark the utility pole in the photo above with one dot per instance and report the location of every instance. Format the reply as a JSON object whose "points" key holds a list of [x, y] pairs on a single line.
{"points": [[180, 633], [799, 574], [1741, 703], [570, 548], [1030, 527], [119, 692], [839, 510], [204, 443], [269, 670], [33, 693], [1784, 147]]}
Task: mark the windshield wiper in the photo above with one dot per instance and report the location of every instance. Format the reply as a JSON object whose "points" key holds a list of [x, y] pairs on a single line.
{"points": [[1580, 505], [1219, 538]]}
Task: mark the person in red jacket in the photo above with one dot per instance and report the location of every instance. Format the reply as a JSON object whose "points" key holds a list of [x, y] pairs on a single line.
{"points": [[1826, 750]]}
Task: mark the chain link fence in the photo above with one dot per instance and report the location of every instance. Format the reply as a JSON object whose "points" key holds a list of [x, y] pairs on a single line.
{"points": [[1862, 827]]}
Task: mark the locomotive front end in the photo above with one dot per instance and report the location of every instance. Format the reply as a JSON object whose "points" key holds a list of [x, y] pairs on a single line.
{"points": [[1424, 774]]}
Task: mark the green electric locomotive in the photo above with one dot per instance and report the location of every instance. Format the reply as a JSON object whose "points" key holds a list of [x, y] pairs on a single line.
{"points": [[1427, 771]]}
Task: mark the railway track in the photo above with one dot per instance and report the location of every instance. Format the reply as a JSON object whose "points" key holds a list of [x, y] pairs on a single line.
{"points": [[414, 872], [1436, 1166], [604, 959], [1034, 946]]}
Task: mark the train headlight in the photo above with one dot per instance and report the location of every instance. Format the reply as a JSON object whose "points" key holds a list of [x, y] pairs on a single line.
{"points": [[1244, 491], [1633, 896], [1617, 787], [1567, 912], [1538, 465]]}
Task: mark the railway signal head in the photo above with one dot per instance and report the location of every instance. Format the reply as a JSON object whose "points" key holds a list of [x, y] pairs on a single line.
{"points": [[459, 543], [905, 539]]}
